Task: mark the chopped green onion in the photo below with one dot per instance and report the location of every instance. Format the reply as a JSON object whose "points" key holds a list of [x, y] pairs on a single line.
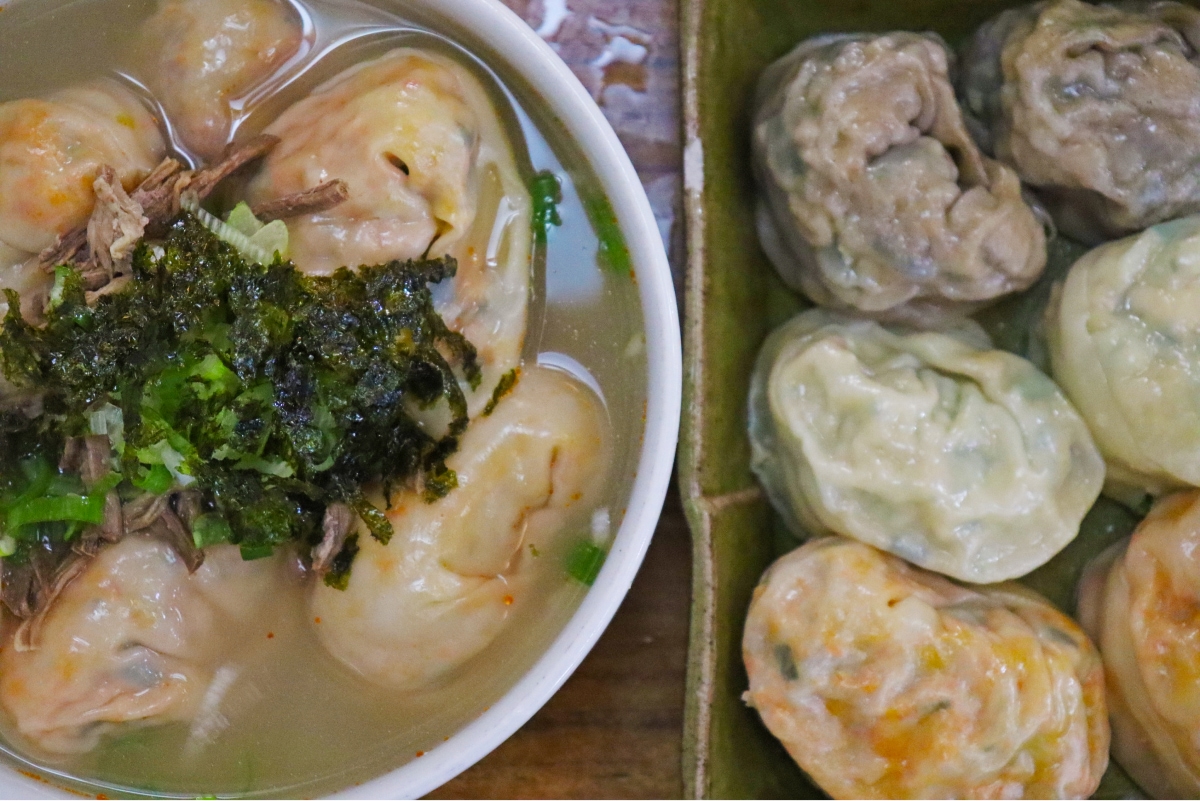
{"points": [[585, 561], [546, 191], [225, 232], [109, 421], [84, 508], [61, 274], [156, 480], [163, 454], [613, 253], [109, 482], [211, 529], [251, 552]]}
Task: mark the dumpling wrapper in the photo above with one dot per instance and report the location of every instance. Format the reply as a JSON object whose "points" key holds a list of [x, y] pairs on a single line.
{"points": [[51, 151], [203, 57], [135, 639], [960, 459], [886, 681], [1097, 106], [874, 197], [430, 171], [446, 584], [1140, 602], [1124, 337]]}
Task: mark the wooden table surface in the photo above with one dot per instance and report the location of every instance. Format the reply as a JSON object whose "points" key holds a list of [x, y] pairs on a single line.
{"points": [[614, 729]]}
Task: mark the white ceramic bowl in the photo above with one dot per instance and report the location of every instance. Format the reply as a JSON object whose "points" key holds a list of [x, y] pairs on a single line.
{"points": [[498, 36], [524, 52]]}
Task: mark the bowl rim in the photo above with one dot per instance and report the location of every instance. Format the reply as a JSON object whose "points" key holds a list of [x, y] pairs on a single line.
{"points": [[512, 41]]}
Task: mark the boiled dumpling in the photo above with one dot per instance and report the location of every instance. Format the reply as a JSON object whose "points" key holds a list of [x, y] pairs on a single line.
{"points": [[51, 150], [135, 638], [441, 590], [886, 681], [875, 196], [1098, 106], [1124, 336], [429, 171], [204, 56], [1141, 603], [960, 459]]}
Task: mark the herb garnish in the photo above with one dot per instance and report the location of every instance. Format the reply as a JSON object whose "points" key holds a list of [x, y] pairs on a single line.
{"points": [[269, 392]]}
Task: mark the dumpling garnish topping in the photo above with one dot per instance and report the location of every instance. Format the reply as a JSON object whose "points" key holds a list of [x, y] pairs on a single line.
{"points": [[1096, 106], [1140, 601], [1124, 342], [887, 681], [876, 197], [961, 459], [265, 394]]}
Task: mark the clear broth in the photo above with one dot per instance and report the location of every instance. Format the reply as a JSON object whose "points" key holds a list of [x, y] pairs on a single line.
{"points": [[304, 724]]}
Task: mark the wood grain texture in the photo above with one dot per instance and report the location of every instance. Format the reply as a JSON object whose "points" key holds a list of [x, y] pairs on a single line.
{"points": [[614, 729]]}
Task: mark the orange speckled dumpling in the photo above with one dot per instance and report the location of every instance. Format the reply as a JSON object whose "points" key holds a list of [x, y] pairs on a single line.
{"points": [[887, 681], [1141, 603], [205, 55], [52, 149]]}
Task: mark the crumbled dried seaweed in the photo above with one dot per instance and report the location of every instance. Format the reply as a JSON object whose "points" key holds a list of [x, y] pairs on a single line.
{"points": [[236, 402]]}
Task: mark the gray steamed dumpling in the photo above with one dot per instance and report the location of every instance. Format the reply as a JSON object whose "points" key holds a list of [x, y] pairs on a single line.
{"points": [[1096, 106], [874, 196]]}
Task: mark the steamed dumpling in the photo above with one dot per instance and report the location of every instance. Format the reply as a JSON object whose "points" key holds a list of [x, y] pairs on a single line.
{"points": [[203, 56], [960, 459], [876, 198], [430, 171], [886, 681], [134, 638], [52, 149], [1141, 604], [1098, 106], [415, 137], [1124, 336], [444, 586]]}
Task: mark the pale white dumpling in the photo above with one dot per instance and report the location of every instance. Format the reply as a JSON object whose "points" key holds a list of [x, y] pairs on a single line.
{"points": [[1140, 601], [1124, 336], [51, 151], [887, 681], [958, 458], [11, 257], [441, 590], [429, 171], [135, 638], [203, 56]]}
